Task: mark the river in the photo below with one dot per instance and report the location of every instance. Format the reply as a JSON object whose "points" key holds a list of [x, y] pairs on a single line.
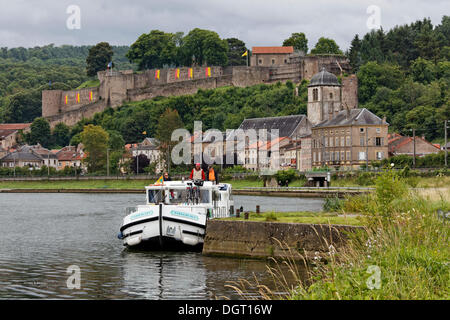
{"points": [[43, 236]]}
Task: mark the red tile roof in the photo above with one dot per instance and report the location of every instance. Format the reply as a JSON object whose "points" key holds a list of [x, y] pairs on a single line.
{"points": [[14, 126], [268, 50]]}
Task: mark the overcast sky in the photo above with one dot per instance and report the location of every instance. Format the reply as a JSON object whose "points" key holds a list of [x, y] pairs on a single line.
{"points": [[30, 23]]}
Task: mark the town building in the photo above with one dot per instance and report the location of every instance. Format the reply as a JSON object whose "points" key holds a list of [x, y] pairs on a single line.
{"points": [[9, 134], [271, 56], [350, 139], [71, 156], [280, 132], [398, 144], [21, 158], [48, 157], [150, 148]]}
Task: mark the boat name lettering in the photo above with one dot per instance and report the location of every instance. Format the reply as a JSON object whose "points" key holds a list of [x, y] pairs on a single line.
{"points": [[141, 214], [184, 214]]}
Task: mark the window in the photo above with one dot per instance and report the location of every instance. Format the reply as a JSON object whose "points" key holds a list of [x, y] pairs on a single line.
{"points": [[378, 141], [314, 157], [380, 155], [348, 142], [342, 141], [336, 157], [361, 141], [337, 142], [331, 141], [331, 95], [378, 130], [285, 60], [348, 155], [342, 155], [315, 94], [362, 155], [260, 61], [361, 130], [273, 61]]}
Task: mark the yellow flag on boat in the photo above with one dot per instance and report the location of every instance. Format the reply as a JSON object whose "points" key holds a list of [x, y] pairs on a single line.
{"points": [[245, 53], [159, 181]]}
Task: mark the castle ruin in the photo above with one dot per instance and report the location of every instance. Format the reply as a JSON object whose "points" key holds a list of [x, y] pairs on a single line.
{"points": [[118, 87]]}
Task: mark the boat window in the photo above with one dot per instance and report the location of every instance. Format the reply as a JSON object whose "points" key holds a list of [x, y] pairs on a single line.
{"points": [[155, 196]]}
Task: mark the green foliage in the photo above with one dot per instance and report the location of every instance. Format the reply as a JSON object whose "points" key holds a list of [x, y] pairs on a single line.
{"points": [[333, 204], [298, 41], [236, 48], [286, 175], [39, 133], [410, 250], [203, 47], [154, 50], [98, 58], [95, 141], [61, 135], [365, 179], [427, 161], [326, 46], [24, 73]]}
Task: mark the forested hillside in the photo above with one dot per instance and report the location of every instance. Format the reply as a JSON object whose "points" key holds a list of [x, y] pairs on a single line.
{"points": [[404, 74], [24, 73]]}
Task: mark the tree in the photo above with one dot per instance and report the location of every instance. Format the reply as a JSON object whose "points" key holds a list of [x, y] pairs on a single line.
{"points": [[39, 133], [143, 163], [24, 106], [95, 142], [354, 55], [236, 48], [298, 41], [204, 47], [326, 46], [98, 58], [423, 70], [154, 50], [61, 135]]}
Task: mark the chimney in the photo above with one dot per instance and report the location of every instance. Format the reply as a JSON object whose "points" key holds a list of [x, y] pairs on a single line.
{"points": [[384, 120]]}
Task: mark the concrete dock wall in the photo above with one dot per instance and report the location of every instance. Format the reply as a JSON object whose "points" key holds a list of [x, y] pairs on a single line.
{"points": [[272, 239]]}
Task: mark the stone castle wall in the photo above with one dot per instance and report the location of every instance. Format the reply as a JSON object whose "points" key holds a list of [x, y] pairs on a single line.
{"points": [[117, 88]]}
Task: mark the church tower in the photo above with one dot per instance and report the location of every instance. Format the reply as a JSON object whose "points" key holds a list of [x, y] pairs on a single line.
{"points": [[324, 97]]}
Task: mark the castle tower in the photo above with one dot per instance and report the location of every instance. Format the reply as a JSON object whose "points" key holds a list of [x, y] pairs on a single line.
{"points": [[324, 97]]}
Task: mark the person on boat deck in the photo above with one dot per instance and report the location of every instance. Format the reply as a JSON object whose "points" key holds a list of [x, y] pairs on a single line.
{"points": [[197, 173], [166, 176], [212, 175]]}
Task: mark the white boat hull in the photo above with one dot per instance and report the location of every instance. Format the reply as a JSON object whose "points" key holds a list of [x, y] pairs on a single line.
{"points": [[164, 226]]}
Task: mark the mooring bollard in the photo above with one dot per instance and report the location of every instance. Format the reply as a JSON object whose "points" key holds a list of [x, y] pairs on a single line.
{"points": [[246, 215], [238, 213], [257, 209]]}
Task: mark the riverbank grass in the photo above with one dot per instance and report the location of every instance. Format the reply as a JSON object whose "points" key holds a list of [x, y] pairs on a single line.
{"points": [[404, 252], [301, 217]]}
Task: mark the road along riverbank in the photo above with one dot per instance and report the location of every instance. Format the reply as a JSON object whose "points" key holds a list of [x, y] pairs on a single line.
{"points": [[253, 239]]}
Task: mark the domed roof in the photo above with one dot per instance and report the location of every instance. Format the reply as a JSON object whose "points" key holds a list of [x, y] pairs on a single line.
{"points": [[324, 78]]}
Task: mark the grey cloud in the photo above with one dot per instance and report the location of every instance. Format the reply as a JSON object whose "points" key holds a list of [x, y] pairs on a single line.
{"points": [[257, 22]]}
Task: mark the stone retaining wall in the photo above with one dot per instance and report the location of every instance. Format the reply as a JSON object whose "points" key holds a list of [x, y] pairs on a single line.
{"points": [[272, 239]]}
